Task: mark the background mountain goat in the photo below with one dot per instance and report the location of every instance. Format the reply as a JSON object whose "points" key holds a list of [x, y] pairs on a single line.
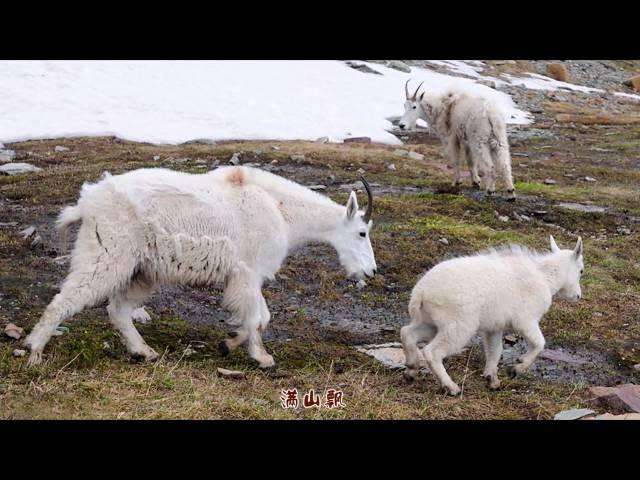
{"points": [[233, 226], [472, 130], [507, 289]]}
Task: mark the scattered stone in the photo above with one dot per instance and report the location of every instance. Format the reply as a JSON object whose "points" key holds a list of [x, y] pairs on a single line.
{"points": [[235, 159], [558, 71], [391, 167], [201, 161], [581, 208], [254, 165], [516, 154], [633, 82], [502, 218], [361, 67], [275, 147], [317, 187], [573, 414], [357, 140], [322, 140], [589, 179], [360, 171], [549, 181], [297, 158], [156, 157], [416, 156], [19, 353], [361, 284], [7, 156], [18, 168], [637, 367], [398, 65], [389, 354], [402, 153], [388, 329], [13, 331], [37, 241], [274, 162], [106, 345], [223, 372], [8, 224], [624, 230], [560, 356], [60, 148], [624, 397], [510, 339], [608, 416], [444, 241], [540, 212]]}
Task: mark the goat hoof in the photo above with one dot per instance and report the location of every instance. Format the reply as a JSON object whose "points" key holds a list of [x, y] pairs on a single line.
{"points": [[224, 349], [491, 193], [453, 391], [476, 185], [512, 372], [233, 334]]}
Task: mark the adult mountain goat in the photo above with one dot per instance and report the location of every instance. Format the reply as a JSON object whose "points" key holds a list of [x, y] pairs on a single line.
{"points": [[472, 130], [233, 226], [505, 289]]}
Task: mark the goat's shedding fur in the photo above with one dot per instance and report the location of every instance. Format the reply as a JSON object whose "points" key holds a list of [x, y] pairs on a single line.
{"points": [[499, 290], [232, 227], [472, 130]]}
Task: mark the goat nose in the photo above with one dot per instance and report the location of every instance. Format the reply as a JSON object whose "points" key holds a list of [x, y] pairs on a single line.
{"points": [[375, 270]]}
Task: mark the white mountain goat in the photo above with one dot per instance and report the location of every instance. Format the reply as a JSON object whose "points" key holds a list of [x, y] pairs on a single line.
{"points": [[493, 291], [472, 130], [233, 226]]}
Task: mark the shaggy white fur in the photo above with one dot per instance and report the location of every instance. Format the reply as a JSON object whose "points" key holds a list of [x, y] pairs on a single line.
{"points": [[493, 291], [233, 226], [472, 130]]}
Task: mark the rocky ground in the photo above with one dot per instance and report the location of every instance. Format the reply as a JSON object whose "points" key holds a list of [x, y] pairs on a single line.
{"points": [[572, 178]]}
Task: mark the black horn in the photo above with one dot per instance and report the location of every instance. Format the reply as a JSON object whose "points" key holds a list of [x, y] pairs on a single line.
{"points": [[367, 213], [416, 92]]}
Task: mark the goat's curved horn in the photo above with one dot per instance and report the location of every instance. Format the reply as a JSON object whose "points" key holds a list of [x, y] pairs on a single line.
{"points": [[367, 214], [406, 90], [416, 92]]}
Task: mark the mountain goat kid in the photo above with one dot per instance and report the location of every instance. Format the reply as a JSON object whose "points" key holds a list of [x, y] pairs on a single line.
{"points": [[504, 289], [472, 130], [233, 226]]}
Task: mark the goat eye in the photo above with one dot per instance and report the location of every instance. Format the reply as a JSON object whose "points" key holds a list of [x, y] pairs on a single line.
{"points": [[414, 107], [581, 271], [363, 234]]}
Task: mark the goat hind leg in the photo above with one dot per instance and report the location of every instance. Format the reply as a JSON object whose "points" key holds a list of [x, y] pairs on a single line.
{"points": [[492, 343], [79, 290], [411, 335]]}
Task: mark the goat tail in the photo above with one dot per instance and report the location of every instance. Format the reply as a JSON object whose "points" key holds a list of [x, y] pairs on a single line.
{"points": [[68, 216]]}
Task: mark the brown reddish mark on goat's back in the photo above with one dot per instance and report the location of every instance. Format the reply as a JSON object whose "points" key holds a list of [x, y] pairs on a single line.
{"points": [[236, 177]]}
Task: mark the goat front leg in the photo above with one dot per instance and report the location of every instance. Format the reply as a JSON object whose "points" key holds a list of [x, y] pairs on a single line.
{"points": [[452, 150], [535, 341], [245, 301]]}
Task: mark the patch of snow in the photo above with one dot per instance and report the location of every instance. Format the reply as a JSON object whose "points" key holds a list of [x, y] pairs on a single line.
{"points": [[177, 101]]}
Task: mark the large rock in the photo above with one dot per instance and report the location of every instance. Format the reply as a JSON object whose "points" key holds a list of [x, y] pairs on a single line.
{"points": [[634, 82], [18, 168], [398, 65], [573, 414], [558, 71], [357, 140], [624, 397]]}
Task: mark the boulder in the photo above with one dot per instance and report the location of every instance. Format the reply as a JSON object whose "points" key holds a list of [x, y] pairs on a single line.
{"points": [[558, 71]]}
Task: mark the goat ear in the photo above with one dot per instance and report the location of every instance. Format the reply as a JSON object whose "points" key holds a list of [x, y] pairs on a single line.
{"points": [[554, 247], [577, 252], [421, 96], [352, 205]]}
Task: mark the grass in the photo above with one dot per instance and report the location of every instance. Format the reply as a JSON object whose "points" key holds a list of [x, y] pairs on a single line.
{"points": [[87, 374]]}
